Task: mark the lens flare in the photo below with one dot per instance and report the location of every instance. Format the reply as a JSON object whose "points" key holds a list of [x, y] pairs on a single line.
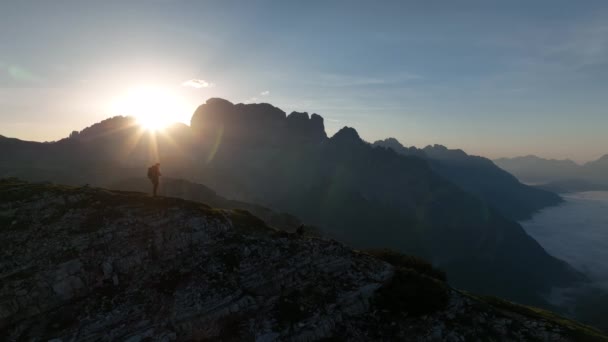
{"points": [[154, 107]]}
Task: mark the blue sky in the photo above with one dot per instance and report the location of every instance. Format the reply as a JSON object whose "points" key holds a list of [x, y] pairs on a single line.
{"points": [[495, 78]]}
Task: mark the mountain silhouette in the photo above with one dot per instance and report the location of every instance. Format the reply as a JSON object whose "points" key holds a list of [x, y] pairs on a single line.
{"points": [[362, 195], [560, 175], [481, 177], [257, 124]]}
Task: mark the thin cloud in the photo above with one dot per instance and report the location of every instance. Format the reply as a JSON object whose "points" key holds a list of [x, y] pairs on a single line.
{"points": [[251, 100], [198, 84], [265, 93]]}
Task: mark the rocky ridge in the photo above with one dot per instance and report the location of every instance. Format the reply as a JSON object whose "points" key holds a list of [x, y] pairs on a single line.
{"points": [[87, 264], [256, 123]]}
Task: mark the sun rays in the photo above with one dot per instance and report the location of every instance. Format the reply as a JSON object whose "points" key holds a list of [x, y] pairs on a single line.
{"points": [[154, 107]]}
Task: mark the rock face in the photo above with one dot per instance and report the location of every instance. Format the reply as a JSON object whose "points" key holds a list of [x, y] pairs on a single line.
{"points": [[258, 124], [301, 127], [347, 136], [180, 188], [89, 264], [102, 128]]}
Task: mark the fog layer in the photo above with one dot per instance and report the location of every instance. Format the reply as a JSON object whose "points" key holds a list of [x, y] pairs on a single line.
{"points": [[577, 232]]}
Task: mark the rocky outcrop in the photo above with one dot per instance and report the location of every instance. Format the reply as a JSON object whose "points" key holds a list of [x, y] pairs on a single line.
{"points": [[181, 188], [105, 127], [258, 124], [396, 146], [90, 264], [441, 152], [347, 137], [303, 128]]}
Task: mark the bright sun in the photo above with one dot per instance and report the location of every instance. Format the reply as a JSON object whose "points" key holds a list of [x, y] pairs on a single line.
{"points": [[154, 107]]}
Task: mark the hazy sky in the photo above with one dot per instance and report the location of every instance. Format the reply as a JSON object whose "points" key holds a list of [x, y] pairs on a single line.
{"points": [[495, 78]]}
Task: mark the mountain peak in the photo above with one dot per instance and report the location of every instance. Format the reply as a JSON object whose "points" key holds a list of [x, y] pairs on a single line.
{"points": [[111, 125], [298, 116], [438, 147], [347, 135], [390, 142], [255, 123], [396, 146], [300, 126], [218, 101], [261, 111], [600, 163], [442, 152]]}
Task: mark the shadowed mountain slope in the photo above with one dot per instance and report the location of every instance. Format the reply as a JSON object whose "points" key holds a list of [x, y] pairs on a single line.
{"points": [[373, 197], [81, 263], [481, 177]]}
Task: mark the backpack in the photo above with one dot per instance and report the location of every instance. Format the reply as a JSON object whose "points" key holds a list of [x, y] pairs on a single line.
{"points": [[151, 172]]}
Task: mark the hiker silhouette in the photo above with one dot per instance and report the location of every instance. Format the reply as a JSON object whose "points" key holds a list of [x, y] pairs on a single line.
{"points": [[154, 176]]}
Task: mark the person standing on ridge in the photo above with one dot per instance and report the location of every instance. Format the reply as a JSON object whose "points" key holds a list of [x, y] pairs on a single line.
{"points": [[154, 176]]}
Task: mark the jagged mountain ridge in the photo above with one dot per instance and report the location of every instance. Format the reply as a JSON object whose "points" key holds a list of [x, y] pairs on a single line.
{"points": [[338, 177], [481, 177], [258, 124], [362, 195], [91, 264]]}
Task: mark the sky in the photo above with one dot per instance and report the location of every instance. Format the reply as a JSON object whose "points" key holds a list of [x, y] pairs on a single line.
{"points": [[494, 78]]}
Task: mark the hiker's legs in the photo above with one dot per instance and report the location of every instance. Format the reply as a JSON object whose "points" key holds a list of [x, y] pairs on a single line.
{"points": [[155, 188]]}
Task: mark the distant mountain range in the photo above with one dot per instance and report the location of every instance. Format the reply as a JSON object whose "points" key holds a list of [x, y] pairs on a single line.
{"points": [[558, 175], [481, 177], [432, 205]]}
